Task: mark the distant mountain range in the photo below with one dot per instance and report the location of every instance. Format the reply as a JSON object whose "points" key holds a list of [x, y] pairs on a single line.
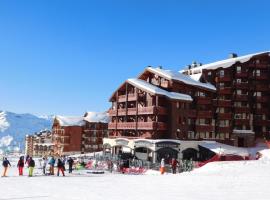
{"points": [[14, 127]]}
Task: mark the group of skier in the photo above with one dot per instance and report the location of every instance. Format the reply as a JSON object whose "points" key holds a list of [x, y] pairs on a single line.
{"points": [[30, 162]]}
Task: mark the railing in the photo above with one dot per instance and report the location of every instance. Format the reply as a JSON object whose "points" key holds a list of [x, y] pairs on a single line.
{"points": [[241, 121], [223, 129], [222, 103], [262, 99], [225, 90], [141, 111], [242, 85], [224, 79], [123, 98], [241, 75], [259, 66], [261, 122], [241, 109], [192, 114], [241, 97], [224, 116], [205, 114], [140, 125], [204, 128], [204, 100]]}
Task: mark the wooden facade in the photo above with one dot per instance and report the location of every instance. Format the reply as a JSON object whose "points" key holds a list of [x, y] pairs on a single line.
{"points": [[234, 111]]}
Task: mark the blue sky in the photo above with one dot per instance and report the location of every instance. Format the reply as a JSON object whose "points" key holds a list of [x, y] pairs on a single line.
{"points": [[67, 57]]}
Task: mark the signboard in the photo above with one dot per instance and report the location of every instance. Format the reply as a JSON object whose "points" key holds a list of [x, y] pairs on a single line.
{"points": [[168, 145]]}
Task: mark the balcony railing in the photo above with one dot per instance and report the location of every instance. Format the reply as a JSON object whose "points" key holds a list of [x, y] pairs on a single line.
{"points": [[205, 114], [241, 97], [241, 75], [224, 79], [140, 126], [261, 99], [204, 100], [242, 109], [157, 110], [192, 113], [241, 121], [224, 116], [225, 90], [259, 66], [222, 103], [241, 85], [223, 129], [261, 122], [123, 98], [204, 128]]}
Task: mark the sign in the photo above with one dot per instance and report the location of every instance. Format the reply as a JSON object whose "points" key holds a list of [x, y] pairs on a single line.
{"points": [[122, 142], [146, 144], [168, 145]]}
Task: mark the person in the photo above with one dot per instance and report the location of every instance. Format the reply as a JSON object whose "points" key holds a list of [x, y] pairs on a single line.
{"points": [[20, 165], [27, 160], [60, 167], [162, 166], [70, 165], [31, 166], [5, 164], [44, 165], [52, 163], [110, 165], [174, 164]]}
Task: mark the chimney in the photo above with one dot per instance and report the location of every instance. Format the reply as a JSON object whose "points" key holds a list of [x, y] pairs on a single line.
{"points": [[232, 55]]}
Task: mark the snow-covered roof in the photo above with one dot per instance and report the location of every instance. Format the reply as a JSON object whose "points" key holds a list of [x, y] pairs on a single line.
{"points": [[145, 86], [223, 149], [70, 121], [102, 117], [228, 62], [178, 76]]}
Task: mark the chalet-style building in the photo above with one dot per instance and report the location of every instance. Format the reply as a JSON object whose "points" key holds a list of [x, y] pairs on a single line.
{"points": [[73, 135], [39, 144], [224, 101]]}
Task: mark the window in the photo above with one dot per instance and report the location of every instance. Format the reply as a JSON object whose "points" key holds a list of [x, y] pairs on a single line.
{"points": [[238, 80], [221, 73], [238, 69], [221, 85], [209, 73], [239, 92]]}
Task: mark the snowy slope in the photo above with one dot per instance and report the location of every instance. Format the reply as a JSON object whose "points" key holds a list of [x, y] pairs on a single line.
{"points": [[19, 125]]}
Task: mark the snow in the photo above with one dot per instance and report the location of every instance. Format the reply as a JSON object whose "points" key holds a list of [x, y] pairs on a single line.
{"points": [[143, 85], [238, 180], [177, 76], [5, 141], [223, 149], [196, 77], [102, 117], [70, 121], [3, 122]]}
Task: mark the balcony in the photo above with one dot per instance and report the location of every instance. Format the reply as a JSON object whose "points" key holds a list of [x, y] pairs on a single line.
{"points": [[157, 110], [224, 116], [204, 128], [261, 88], [241, 97], [192, 113], [205, 114], [241, 75], [204, 100], [225, 90], [242, 109], [263, 76], [140, 126], [123, 98], [240, 122], [224, 79], [241, 86], [222, 103], [223, 129], [261, 122], [259, 66], [261, 111], [261, 99]]}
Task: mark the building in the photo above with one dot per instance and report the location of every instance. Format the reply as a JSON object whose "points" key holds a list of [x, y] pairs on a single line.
{"points": [[224, 101], [39, 144], [75, 135]]}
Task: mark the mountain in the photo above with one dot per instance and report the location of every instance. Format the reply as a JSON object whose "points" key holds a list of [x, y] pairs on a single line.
{"points": [[14, 127]]}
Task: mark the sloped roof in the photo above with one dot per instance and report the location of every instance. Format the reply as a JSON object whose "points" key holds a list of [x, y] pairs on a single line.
{"points": [[70, 121], [178, 76], [145, 86], [102, 117]]}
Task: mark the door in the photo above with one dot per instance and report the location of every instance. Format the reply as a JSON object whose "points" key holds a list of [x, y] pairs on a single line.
{"points": [[241, 142]]}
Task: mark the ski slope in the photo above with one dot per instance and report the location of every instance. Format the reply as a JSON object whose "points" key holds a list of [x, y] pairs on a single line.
{"points": [[215, 181]]}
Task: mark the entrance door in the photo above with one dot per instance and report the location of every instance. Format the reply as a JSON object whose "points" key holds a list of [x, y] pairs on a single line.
{"points": [[241, 142]]}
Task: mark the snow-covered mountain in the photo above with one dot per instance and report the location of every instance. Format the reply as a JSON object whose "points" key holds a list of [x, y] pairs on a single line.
{"points": [[18, 125]]}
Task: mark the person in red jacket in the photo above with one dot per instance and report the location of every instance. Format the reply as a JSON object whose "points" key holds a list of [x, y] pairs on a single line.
{"points": [[20, 165], [174, 164]]}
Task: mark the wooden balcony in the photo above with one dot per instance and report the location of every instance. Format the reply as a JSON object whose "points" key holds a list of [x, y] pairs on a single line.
{"points": [[205, 114], [241, 121], [261, 88], [224, 79], [192, 114], [224, 129], [261, 111], [242, 97], [262, 76], [241, 75], [224, 116], [226, 90], [204, 128], [261, 122], [258, 66], [241, 86], [123, 98], [204, 100], [222, 103], [140, 126], [261, 99], [156, 110], [242, 109]]}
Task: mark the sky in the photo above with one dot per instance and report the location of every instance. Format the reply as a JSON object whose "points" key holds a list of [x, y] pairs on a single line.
{"points": [[67, 57]]}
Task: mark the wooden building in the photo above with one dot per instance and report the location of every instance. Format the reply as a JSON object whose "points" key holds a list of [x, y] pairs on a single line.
{"points": [[225, 101]]}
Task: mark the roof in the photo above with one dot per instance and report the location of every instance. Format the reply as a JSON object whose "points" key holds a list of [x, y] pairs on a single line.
{"points": [[102, 117], [70, 121], [178, 76], [145, 86], [228, 62], [223, 149]]}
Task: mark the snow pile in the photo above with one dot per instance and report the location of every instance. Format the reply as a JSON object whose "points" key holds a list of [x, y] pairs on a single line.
{"points": [[5, 141], [145, 86], [102, 117], [265, 155], [70, 121]]}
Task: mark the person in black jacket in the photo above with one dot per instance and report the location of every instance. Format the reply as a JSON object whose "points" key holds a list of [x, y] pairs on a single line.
{"points": [[31, 166], [60, 167], [5, 164], [70, 165], [20, 165]]}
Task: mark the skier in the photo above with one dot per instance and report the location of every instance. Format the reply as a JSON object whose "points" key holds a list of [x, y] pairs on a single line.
{"points": [[27, 160], [60, 167], [44, 165], [174, 164], [52, 163], [162, 166], [20, 165], [31, 166], [5, 164], [70, 165]]}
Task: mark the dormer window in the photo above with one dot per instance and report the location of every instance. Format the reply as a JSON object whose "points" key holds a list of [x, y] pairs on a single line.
{"points": [[221, 73]]}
